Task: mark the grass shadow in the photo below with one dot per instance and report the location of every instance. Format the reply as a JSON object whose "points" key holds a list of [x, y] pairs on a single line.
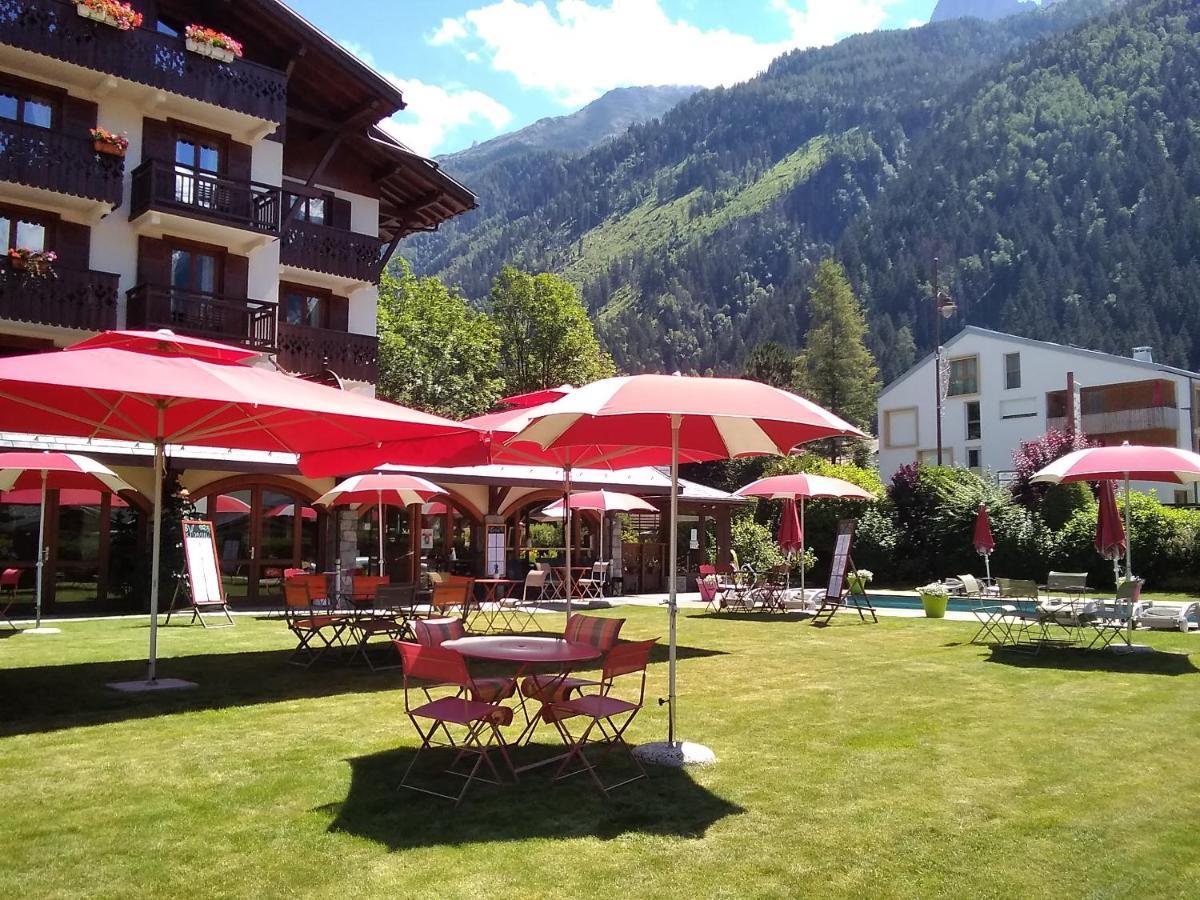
{"points": [[668, 803], [1080, 659]]}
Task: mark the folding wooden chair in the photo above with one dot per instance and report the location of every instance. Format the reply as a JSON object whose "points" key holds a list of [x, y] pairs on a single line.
{"points": [[605, 714], [438, 666], [9, 581], [592, 588], [308, 625], [520, 609]]}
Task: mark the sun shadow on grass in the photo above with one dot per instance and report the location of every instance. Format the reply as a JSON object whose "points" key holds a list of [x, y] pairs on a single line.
{"points": [[53, 697], [668, 803], [1078, 659]]}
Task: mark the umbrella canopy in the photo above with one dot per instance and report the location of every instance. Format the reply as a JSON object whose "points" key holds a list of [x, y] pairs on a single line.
{"points": [[380, 487], [163, 388], [602, 501], [656, 419], [47, 471], [790, 537], [1110, 534], [983, 540]]}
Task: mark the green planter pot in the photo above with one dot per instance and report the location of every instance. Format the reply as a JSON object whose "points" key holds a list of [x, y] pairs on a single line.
{"points": [[935, 605]]}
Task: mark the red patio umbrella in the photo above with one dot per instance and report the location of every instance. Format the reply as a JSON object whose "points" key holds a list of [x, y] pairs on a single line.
{"points": [[167, 389], [984, 542], [802, 486], [660, 419], [46, 471], [380, 488]]}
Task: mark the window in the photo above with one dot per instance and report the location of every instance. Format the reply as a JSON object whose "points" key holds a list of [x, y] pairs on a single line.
{"points": [[18, 229], [964, 376], [20, 105], [974, 424], [312, 209], [305, 306], [973, 458], [1012, 371]]}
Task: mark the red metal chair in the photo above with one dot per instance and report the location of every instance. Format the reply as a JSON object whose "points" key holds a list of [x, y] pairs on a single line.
{"points": [[10, 580], [605, 713], [435, 632], [309, 625], [438, 666]]}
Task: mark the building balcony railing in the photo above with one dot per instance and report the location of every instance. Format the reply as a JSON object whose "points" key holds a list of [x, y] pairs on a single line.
{"points": [[54, 28], [64, 163], [331, 250], [1150, 418], [308, 351], [174, 188], [234, 320], [69, 298]]}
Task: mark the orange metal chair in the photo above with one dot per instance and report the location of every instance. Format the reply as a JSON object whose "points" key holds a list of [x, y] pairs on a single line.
{"points": [[604, 713], [437, 666]]}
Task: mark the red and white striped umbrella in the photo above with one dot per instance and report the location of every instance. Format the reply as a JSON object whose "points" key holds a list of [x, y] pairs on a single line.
{"points": [[380, 488], [602, 501], [671, 418], [48, 470]]}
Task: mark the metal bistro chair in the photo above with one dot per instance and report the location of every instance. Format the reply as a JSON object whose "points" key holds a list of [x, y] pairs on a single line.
{"points": [[519, 610], [479, 721], [605, 713], [592, 588]]}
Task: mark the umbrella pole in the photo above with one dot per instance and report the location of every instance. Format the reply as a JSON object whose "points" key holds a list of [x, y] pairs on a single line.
{"points": [[155, 555], [379, 499], [41, 557], [673, 549]]}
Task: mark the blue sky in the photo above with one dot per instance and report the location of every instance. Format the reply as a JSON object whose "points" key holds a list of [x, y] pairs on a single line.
{"points": [[472, 69]]}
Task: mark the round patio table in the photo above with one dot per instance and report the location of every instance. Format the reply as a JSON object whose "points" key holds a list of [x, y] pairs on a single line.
{"points": [[526, 652]]}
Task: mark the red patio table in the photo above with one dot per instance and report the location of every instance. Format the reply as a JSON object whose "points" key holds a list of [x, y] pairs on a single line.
{"points": [[527, 652]]}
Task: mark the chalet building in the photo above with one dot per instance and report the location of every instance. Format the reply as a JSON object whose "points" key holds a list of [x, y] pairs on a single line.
{"points": [[1001, 389], [255, 203]]}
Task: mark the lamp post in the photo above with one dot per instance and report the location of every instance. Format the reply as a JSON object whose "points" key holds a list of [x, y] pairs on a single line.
{"points": [[944, 308]]}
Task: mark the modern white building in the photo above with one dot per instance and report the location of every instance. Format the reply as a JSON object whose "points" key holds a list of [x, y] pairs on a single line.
{"points": [[1002, 389]]}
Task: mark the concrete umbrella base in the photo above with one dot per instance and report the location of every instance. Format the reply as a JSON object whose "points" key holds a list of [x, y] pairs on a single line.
{"points": [[676, 755]]}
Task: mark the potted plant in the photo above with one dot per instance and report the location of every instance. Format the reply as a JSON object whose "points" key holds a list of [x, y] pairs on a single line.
{"points": [[857, 580], [36, 262], [109, 12], [109, 142], [208, 42], [934, 598]]}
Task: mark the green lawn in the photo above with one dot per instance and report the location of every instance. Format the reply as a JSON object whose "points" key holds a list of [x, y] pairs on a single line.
{"points": [[893, 760]]}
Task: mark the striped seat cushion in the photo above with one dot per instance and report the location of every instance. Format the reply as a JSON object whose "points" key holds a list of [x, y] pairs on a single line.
{"points": [[434, 632], [595, 631]]}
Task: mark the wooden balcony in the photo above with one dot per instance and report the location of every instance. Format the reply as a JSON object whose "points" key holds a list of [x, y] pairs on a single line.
{"points": [[168, 187], [68, 298], [63, 163], [309, 351], [334, 251], [54, 29], [233, 320]]}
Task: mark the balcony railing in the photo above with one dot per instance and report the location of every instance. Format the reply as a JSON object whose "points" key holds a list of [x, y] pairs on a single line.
{"points": [[171, 187], [332, 250], [220, 318], [54, 28], [64, 163], [71, 298], [312, 350]]}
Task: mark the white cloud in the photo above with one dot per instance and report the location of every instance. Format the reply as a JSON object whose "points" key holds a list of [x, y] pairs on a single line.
{"points": [[576, 49], [433, 111]]}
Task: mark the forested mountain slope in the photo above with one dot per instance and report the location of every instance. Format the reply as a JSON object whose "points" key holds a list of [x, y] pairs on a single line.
{"points": [[695, 236]]}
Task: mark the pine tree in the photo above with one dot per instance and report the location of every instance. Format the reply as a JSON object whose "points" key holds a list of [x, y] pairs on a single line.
{"points": [[836, 369]]}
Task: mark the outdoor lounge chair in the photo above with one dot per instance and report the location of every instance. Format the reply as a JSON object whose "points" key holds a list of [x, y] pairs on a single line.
{"points": [[437, 666], [1168, 616], [606, 714], [9, 581]]}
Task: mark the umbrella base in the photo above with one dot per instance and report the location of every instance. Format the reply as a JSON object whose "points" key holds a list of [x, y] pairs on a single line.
{"points": [[141, 686], [676, 755], [42, 630]]}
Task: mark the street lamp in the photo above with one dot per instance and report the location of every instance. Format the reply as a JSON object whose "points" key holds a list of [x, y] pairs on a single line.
{"points": [[944, 307]]}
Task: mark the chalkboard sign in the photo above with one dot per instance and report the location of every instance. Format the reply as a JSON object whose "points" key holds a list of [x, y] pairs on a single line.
{"points": [[841, 558], [204, 576]]}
